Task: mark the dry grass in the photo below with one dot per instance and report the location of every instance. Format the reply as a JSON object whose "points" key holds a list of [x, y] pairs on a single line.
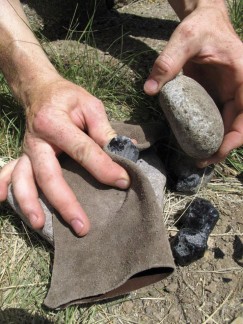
{"points": [[25, 262]]}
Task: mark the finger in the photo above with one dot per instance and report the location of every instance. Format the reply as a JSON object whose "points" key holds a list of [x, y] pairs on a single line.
{"points": [[183, 45], [234, 138], [26, 193], [231, 141], [49, 177], [229, 114], [98, 126], [70, 139], [5, 178]]}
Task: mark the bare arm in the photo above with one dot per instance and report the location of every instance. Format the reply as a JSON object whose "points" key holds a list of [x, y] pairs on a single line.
{"points": [[61, 116], [22, 60]]}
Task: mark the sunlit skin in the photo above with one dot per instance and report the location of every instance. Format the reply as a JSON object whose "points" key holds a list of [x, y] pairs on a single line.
{"points": [[62, 116], [213, 56]]}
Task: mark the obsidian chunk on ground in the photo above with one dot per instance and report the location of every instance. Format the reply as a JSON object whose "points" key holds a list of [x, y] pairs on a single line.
{"points": [[200, 215], [182, 173], [123, 146], [238, 250], [196, 223], [189, 245], [187, 177], [191, 179]]}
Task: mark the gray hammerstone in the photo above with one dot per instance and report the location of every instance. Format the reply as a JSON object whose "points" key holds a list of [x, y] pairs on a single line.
{"points": [[193, 116]]}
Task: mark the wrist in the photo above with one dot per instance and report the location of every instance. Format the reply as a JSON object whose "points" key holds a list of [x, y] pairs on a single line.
{"points": [[26, 67], [185, 7]]}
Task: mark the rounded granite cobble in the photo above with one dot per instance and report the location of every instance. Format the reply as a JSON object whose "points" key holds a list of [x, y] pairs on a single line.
{"points": [[193, 116]]}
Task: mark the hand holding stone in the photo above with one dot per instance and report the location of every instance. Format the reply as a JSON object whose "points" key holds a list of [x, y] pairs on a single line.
{"points": [[212, 56]]}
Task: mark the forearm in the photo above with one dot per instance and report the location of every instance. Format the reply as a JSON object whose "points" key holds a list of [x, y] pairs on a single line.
{"points": [[184, 7], [22, 60]]}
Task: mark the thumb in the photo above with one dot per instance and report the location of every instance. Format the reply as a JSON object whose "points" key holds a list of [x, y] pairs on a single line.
{"points": [[182, 46]]}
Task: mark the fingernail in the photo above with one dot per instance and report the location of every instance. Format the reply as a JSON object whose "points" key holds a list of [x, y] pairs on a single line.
{"points": [[77, 226], [33, 219], [151, 85], [122, 183]]}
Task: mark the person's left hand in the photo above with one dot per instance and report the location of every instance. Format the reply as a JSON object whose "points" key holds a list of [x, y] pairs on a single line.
{"points": [[208, 49], [60, 117]]}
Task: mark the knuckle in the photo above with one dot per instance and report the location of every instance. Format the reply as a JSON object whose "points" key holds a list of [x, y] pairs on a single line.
{"points": [[110, 132], [81, 152], [44, 179], [164, 64], [187, 30], [221, 154], [25, 206], [67, 209], [28, 142], [100, 105], [42, 121], [96, 105]]}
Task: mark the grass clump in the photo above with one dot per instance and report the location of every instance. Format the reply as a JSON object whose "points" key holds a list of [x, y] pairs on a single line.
{"points": [[236, 16], [12, 125]]}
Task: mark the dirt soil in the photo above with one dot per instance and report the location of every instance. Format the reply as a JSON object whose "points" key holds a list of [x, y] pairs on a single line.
{"points": [[211, 289]]}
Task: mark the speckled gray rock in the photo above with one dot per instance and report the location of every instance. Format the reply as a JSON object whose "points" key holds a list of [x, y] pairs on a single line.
{"points": [[154, 170], [193, 116], [47, 231]]}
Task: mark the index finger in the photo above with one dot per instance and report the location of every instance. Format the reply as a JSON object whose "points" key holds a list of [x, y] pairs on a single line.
{"points": [[171, 60], [64, 134]]}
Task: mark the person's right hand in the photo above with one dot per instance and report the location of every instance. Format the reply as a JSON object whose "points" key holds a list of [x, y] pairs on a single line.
{"points": [[61, 116], [213, 56]]}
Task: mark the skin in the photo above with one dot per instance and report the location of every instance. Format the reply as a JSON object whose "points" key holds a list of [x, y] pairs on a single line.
{"points": [[67, 118], [211, 53]]}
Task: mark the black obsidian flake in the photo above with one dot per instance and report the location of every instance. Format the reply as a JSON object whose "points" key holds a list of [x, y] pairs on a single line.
{"points": [[123, 146], [188, 245], [189, 179], [197, 223]]}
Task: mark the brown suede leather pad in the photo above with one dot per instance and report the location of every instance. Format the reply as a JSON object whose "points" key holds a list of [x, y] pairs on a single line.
{"points": [[127, 247]]}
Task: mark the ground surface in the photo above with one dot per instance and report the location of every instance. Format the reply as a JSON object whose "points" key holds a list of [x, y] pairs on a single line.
{"points": [[207, 291]]}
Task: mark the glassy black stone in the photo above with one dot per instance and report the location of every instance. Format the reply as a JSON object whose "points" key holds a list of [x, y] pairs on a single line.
{"points": [[196, 223], [123, 146]]}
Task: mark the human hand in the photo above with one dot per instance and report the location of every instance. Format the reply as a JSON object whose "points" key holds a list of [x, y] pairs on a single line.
{"points": [[61, 116], [208, 49]]}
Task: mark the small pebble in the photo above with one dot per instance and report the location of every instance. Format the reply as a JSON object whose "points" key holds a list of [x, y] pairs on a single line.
{"points": [[172, 287], [212, 287]]}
